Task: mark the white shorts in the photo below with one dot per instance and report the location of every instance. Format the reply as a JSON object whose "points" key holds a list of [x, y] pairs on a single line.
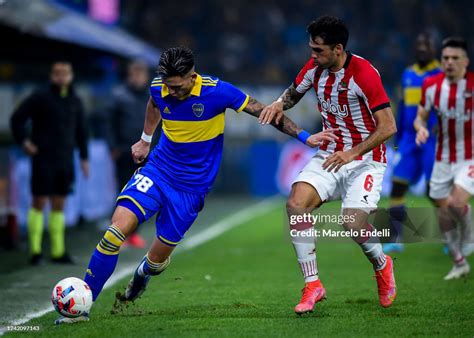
{"points": [[445, 175], [358, 184]]}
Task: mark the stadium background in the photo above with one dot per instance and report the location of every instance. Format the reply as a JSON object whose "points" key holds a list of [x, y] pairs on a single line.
{"points": [[258, 45]]}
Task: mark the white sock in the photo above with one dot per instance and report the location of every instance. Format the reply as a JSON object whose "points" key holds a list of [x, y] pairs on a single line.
{"points": [[466, 225], [306, 254], [452, 241], [374, 252]]}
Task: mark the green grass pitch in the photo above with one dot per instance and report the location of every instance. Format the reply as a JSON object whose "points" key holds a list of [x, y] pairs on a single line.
{"points": [[246, 283]]}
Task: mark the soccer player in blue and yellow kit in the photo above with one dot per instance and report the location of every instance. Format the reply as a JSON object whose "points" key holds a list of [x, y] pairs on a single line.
{"points": [[414, 161], [181, 168]]}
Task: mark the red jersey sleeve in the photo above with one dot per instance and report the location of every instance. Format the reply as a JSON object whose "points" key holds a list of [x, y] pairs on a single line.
{"points": [[304, 79], [372, 88], [423, 100], [428, 89]]}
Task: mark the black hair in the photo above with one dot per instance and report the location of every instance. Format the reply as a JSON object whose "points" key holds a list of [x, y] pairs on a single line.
{"points": [[175, 61], [455, 42], [425, 35], [63, 61], [331, 29]]}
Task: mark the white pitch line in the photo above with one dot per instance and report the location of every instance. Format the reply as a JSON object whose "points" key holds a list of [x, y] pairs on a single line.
{"points": [[228, 223], [192, 242]]}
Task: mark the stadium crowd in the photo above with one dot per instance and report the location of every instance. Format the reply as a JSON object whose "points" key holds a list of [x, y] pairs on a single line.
{"points": [[262, 42]]}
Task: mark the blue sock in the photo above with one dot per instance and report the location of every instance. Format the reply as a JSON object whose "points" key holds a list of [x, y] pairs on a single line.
{"points": [[149, 268], [104, 260], [398, 216]]}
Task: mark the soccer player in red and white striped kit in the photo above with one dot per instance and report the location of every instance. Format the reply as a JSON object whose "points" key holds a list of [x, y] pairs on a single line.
{"points": [[451, 94], [352, 100]]}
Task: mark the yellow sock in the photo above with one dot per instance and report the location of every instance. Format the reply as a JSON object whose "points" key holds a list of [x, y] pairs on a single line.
{"points": [[35, 230], [56, 233]]}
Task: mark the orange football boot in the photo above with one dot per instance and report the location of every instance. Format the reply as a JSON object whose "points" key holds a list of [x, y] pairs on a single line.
{"points": [[313, 292], [386, 283]]}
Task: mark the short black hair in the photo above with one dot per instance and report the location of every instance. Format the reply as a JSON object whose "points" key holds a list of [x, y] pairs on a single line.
{"points": [[425, 35], [62, 61], [331, 29], [175, 61], [455, 42]]}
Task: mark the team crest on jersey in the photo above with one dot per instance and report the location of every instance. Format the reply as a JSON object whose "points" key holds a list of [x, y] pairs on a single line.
{"points": [[166, 110], [198, 109], [342, 86]]}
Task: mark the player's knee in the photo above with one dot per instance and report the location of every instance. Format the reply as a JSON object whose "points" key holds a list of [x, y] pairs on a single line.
{"points": [[296, 204], [111, 242], [124, 220], [399, 189], [39, 202], [456, 202]]}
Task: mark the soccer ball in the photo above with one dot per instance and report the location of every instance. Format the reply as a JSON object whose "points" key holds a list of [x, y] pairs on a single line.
{"points": [[72, 297]]}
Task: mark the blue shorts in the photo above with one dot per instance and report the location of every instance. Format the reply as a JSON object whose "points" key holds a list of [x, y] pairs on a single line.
{"points": [[414, 161], [147, 194]]}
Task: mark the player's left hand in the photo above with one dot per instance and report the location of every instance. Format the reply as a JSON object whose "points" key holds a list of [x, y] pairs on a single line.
{"points": [[337, 160], [85, 167], [318, 139], [271, 112]]}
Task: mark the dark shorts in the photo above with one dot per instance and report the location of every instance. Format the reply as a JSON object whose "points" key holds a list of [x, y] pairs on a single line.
{"points": [[414, 161], [47, 179]]}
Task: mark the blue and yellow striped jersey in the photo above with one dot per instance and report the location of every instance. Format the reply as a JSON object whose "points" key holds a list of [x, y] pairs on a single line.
{"points": [[189, 152], [412, 79]]}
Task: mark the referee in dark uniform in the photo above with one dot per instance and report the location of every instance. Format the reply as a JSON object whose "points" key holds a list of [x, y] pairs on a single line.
{"points": [[57, 127]]}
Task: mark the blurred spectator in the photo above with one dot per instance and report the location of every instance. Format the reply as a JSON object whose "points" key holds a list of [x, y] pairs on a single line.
{"points": [[248, 35], [126, 125], [57, 126]]}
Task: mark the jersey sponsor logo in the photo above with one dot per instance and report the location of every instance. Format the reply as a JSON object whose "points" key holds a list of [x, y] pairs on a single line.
{"points": [[342, 86], [335, 109], [454, 113], [198, 109], [166, 110]]}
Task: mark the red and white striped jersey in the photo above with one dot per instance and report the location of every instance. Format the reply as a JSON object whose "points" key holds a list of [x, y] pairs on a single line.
{"points": [[347, 100], [453, 102]]}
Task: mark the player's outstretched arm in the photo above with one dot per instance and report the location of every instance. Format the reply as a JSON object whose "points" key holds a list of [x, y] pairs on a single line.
{"points": [[384, 129], [287, 126], [419, 124], [287, 100], [141, 149]]}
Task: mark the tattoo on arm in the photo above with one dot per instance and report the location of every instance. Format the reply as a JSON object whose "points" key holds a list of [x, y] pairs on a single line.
{"points": [[290, 97], [254, 107], [285, 125]]}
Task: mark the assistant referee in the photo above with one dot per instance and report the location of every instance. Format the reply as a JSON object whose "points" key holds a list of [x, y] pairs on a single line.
{"points": [[57, 127]]}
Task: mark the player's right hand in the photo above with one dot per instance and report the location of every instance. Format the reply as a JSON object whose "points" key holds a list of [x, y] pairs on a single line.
{"points": [[270, 112], [422, 136], [30, 148], [140, 151], [318, 139]]}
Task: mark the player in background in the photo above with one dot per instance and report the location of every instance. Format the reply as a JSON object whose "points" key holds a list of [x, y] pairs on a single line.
{"points": [[127, 103], [351, 99], [414, 161], [451, 95], [181, 169]]}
